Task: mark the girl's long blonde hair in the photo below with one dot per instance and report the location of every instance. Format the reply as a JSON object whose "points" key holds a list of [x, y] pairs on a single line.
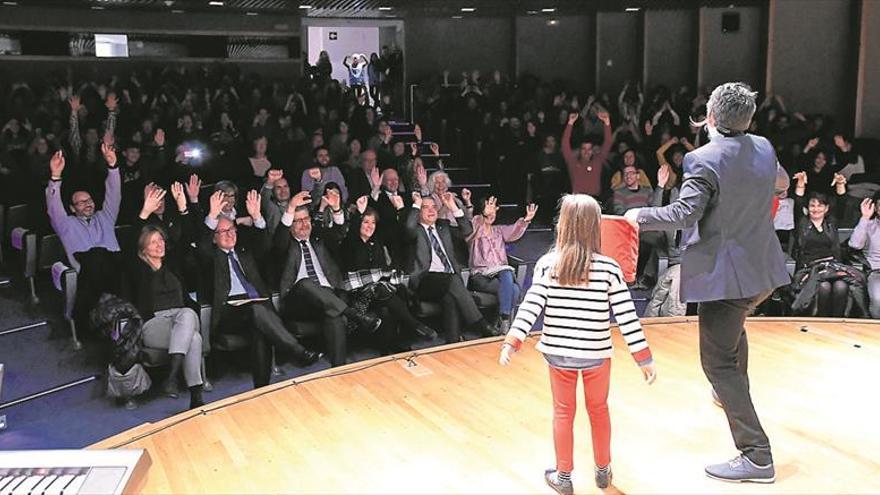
{"points": [[578, 237]]}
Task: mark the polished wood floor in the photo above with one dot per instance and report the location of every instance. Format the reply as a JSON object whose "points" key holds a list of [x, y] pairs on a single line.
{"points": [[454, 421]]}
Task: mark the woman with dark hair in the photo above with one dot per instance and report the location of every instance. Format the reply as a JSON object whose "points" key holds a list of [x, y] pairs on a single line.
{"points": [[362, 250], [866, 237], [258, 163], [157, 291], [324, 66], [817, 164], [376, 73], [816, 250]]}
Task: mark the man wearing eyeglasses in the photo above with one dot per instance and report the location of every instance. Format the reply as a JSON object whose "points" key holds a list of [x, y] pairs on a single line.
{"points": [[88, 235], [240, 297], [311, 281], [631, 194]]}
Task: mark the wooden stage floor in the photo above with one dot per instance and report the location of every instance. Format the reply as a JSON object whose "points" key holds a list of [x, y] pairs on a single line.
{"points": [[454, 421]]}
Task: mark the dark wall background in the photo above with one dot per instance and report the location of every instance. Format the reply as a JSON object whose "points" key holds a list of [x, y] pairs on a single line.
{"points": [[435, 43], [670, 49], [618, 50], [565, 50], [867, 119], [731, 56], [811, 55]]}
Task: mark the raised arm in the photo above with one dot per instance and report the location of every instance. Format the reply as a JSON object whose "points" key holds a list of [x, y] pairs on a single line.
{"points": [[54, 206], [696, 191], [112, 185]]}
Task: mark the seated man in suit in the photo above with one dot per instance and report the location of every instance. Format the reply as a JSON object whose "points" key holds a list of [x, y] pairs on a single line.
{"points": [[311, 279], [239, 296], [437, 275]]}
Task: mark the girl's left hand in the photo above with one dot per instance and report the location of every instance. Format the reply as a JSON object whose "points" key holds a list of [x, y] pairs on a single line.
{"points": [[649, 372]]}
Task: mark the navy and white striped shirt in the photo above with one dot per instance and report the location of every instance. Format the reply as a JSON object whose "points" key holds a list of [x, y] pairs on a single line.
{"points": [[577, 318]]}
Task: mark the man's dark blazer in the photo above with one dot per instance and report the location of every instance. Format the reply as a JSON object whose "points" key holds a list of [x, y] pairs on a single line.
{"points": [[284, 242], [420, 245]]}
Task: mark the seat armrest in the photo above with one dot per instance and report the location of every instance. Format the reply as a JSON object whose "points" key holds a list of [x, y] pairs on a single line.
{"points": [[68, 284]]}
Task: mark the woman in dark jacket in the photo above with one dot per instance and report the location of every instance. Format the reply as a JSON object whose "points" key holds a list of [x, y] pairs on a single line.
{"points": [[815, 241], [362, 250], [157, 291]]}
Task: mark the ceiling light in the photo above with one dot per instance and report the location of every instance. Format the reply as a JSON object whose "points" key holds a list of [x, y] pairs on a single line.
{"points": [[632, 9], [215, 3], [251, 13], [468, 9], [10, 3], [384, 7], [552, 22], [177, 11], [97, 7], [549, 10], [531, 12], [304, 6], [458, 17]]}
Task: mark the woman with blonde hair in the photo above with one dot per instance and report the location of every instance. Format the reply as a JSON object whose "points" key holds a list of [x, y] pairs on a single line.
{"points": [[158, 294], [576, 286]]}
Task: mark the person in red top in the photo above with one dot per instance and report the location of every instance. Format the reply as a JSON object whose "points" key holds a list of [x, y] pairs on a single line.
{"points": [[585, 167]]}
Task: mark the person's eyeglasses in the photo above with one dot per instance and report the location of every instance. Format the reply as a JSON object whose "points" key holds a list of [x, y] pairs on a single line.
{"points": [[229, 231], [630, 173], [229, 195], [83, 203], [302, 221]]}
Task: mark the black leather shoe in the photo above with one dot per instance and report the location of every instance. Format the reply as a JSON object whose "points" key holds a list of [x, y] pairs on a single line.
{"points": [[426, 331], [309, 358], [369, 324]]}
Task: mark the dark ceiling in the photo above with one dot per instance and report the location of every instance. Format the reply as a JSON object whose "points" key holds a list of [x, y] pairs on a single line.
{"points": [[371, 8]]}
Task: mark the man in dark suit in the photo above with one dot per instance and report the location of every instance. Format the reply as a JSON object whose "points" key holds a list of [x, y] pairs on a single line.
{"points": [[732, 260], [311, 281], [392, 208], [436, 274], [239, 296]]}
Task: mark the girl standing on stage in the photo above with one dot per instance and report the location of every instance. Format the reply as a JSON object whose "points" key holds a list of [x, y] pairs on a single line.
{"points": [[576, 286]]}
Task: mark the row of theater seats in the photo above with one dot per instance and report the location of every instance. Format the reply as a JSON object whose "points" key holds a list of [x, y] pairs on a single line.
{"points": [[38, 256]]}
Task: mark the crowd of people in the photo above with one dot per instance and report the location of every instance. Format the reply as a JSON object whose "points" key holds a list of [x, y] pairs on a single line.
{"points": [[307, 191]]}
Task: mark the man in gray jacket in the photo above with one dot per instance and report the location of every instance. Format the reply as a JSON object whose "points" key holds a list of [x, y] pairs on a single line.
{"points": [[731, 262]]}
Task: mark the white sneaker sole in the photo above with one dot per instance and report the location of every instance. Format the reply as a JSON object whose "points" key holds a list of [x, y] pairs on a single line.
{"points": [[765, 481]]}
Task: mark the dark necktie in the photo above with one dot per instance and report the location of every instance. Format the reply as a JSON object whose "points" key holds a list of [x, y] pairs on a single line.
{"points": [[248, 287], [310, 265], [435, 244]]}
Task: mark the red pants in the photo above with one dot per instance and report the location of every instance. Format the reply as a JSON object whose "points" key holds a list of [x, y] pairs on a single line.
{"points": [[563, 383]]}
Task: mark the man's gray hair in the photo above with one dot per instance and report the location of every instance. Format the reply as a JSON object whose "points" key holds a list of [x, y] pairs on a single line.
{"points": [[733, 106]]}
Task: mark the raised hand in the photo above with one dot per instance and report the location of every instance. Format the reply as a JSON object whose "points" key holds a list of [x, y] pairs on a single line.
{"points": [[801, 178], [179, 196], [812, 143], [435, 149], [253, 205], [449, 201], [56, 164], [75, 103], [153, 198], [572, 118], [193, 187], [413, 149], [112, 102], [216, 204], [868, 208], [274, 176], [362, 204], [375, 180], [663, 176], [604, 117], [397, 201], [491, 206], [417, 199], [421, 174], [159, 138], [333, 199], [838, 181], [466, 196], [315, 174], [531, 210], [109, 153], [301, 198]]}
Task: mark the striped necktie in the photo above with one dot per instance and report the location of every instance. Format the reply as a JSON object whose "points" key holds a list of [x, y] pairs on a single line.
{"points": [[310, 265], [435, 244]]}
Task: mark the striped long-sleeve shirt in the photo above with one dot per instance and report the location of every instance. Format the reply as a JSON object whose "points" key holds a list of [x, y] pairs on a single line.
{"points": [[577, 318]]}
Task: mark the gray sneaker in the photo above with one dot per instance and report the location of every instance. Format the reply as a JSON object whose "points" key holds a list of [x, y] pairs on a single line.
{"points": [[603, 477], [504, 327], [740, 469], [561, 487]]}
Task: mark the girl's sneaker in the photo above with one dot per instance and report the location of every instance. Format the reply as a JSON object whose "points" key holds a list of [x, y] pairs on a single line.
{"points": [[562, 487], [603, 476]]}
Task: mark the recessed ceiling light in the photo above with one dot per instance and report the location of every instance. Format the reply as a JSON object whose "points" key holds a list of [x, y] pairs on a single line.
{"points": [[632, 9], [384, 7], [251, 13], [531, 12], [549, 10], [458, 17], [304, 6], [468, 9], [216, 3], [552, 22], [97, 7], [10, 3]]}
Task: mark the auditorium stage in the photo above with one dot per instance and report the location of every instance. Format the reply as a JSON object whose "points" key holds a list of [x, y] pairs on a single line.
{"points": [[451, 420]]}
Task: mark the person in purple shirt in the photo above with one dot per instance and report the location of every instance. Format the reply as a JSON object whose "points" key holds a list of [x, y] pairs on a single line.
{"points": [[490, 271], [88, 235]]}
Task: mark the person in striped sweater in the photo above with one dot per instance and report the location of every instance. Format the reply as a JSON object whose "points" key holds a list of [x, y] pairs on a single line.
{"points": [[576, 287]]}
